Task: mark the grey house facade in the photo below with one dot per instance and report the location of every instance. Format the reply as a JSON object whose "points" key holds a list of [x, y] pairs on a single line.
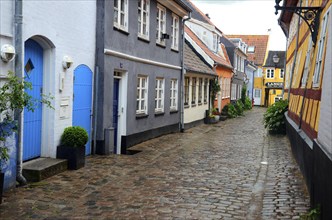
{"points": [[138, 56]]}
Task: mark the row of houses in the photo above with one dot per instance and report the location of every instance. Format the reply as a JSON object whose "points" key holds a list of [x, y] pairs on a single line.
{"points": [[307, 26], [124, 70]]}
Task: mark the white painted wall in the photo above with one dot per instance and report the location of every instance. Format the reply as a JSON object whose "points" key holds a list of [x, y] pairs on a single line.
{"points": [[70, 29], [6, 33], [325, 122], [197, 112]]}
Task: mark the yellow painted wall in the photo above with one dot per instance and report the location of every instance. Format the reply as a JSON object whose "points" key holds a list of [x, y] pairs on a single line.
{"points": [[311, 110], [278, 92]]}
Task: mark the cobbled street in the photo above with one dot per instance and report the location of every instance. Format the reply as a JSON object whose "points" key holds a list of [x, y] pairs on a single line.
{"points": [[230, 170]]}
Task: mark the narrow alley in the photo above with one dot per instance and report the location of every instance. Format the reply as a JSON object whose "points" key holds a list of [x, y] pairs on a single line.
{"points": [[230, 170]]}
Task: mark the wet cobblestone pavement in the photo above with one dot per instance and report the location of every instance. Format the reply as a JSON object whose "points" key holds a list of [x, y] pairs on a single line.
{"points": [[230, 170]]}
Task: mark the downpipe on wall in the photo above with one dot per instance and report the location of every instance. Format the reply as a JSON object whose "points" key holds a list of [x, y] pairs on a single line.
{"points": [[18, 20], [182, 75]]}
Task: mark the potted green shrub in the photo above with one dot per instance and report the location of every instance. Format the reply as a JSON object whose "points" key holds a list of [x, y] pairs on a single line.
{"points": [[72, 146]]}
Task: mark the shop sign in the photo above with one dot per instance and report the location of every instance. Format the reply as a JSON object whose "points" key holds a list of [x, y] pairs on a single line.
{"points": [[274, 85]]}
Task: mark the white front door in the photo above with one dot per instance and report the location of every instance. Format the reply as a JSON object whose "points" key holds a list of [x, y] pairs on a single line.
{"points": [[257, 96]]}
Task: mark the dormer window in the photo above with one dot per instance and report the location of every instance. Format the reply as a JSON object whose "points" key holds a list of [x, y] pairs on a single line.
{"points": [[251, 49]]}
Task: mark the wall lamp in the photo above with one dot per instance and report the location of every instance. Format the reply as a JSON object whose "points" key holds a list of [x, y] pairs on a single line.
{"points": [[67, 61], [7, 53], [309, 14], [275, 59]]}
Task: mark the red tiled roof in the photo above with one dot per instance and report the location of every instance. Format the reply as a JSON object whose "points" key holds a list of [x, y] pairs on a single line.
{"points": [[218, 59], [260, 42]]}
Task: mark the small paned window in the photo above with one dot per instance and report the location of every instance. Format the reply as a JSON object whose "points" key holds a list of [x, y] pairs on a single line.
{"points": [[161, 25], [200, 90], [193, 90], [142, 95], [175, 32], [270, 73], [174, 95], [159, 97], [143, 18], [186, 90], [121, 14]]}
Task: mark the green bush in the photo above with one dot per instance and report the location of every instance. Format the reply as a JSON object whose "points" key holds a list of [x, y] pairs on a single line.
{"points": [[244, 94], [239, 107], [74, 136], [232, 113], [224, 110], [247, 104], [274, 117]]}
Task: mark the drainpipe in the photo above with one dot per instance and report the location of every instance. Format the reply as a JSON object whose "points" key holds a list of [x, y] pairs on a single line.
{"points": [[295, 54], [182, 76], [18, 18], [95, 112]]}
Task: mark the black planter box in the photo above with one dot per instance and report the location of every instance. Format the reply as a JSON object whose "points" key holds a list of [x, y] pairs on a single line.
{"points": [[2, 179], [74, 155]]}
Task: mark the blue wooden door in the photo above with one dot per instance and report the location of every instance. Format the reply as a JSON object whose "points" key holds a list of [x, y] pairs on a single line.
{"points": [[115, 111], [82, 101], [33, 70]]}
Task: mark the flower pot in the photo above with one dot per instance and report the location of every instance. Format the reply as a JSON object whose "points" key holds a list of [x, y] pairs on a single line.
{"points": [[74, 155], [2, 179], [217, 117]]}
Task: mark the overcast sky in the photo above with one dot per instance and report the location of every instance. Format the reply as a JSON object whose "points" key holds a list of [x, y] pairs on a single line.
{"points": [[245, 17]]}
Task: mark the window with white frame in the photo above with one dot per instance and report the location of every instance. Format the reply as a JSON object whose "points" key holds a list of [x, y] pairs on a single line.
{"points": [[269, 73], [175, 32], [251, 49], [257, 93], [321, 47], [186, 90], [226, 87], [161, 24], [206, 84], [233, 92], [282, 73], [193, 90], [142, 95], [174, 95], [143, 18], [159, 96], [307, 64], [200, 90], [239, 91], [121, 14], [215, 42]]}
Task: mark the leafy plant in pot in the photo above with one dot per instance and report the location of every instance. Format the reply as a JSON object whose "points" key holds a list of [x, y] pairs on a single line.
{"points": [[72, 146], [13, 99]]}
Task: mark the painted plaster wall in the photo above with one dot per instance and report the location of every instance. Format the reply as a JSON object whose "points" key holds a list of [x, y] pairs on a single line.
{"points": [[250, 74], [195, 112], [325, 121], [6, 32], [70, 27], [129, 44], [134, 69]]}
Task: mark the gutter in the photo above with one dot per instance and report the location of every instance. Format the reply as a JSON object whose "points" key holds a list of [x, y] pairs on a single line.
{"points": [[182, 76], [18, 20]]}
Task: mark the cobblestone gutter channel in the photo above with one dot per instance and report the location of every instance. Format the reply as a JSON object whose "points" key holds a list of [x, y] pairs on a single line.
{"points": [[208, 172]]}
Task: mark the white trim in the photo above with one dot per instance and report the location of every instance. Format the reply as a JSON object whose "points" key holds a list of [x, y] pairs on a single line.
{"points": [[117, 23], [147, 23], [175, 32], [141, 60], [159, 87]]}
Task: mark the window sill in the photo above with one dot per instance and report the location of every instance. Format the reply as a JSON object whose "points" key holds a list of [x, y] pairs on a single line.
{"points": [[175, 50], [141, 38], [142, 115], [186, 106], [161, 45], [123, 31], [200, 104], [159, 114], [193, 105], [173, 111]]}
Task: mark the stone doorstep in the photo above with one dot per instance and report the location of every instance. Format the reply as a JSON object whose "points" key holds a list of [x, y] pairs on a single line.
{"points": [[42, 168]]}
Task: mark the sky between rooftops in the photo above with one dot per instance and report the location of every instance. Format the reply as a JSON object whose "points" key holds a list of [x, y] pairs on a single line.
{"points": [[245, 17]]}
